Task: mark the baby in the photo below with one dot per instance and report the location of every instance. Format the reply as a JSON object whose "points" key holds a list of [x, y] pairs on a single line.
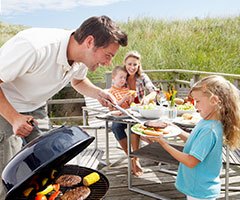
{"points": [[123, 95]]}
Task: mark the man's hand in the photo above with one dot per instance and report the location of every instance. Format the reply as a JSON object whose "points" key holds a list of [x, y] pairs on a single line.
{"points": [[22, 126], [106, 98]]}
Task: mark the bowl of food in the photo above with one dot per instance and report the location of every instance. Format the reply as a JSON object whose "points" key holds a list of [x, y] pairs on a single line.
{"points": [[151, 111], [185, 108], [135, 106]]}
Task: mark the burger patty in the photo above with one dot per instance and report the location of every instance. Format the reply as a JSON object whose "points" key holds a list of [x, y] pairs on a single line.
{"points": [[156, 124], [69, 180], [78, 193]]}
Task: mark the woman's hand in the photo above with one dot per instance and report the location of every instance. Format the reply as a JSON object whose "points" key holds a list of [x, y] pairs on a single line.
{"points": [[149, 98]]}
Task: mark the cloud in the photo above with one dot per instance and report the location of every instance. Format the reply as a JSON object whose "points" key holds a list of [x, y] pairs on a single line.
{"points": [[10, 7]]}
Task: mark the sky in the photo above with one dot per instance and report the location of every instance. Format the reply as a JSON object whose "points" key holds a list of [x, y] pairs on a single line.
{"points": [[69, 14]]}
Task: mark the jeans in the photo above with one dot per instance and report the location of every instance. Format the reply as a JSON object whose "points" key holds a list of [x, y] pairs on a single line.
{"points": [[118, 130]]}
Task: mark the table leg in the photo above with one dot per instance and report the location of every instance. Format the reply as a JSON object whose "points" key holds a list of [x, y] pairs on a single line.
{"points": [[129, 158]]}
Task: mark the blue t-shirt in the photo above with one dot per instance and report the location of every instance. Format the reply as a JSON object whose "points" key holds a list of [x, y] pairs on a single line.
{"points": [[205, 144]]}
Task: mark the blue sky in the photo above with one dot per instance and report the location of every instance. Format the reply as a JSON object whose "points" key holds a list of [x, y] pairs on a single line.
{"points": [[69, 14]]}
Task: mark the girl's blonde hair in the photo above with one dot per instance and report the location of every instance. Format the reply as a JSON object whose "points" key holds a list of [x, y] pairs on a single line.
{"points": [[229, 105], [134, 54]]}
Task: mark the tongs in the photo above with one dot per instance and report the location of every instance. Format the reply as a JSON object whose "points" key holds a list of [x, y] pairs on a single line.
{"points": [[151, 123], [124, 111]]}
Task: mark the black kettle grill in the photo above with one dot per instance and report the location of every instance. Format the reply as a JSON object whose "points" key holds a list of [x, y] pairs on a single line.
{"points": [[46, 153]]}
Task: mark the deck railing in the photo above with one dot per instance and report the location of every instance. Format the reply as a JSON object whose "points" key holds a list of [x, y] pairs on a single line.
{"points": [[182, 80]]}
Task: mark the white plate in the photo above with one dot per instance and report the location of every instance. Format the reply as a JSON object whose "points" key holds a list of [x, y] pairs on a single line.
{"points": [[181, 112], [187, 123], [173, 131], [115, 114]]}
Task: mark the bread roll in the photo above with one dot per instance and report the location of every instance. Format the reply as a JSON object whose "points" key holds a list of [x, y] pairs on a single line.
{"points": [[179, 101], [187, 116], [151, 132]]}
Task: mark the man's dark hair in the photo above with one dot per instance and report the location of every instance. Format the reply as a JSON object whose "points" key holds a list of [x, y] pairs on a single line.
{"points": [[104, 31]]}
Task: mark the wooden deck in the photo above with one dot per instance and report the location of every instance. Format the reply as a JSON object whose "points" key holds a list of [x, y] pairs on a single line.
{"points": [[152, 180]]}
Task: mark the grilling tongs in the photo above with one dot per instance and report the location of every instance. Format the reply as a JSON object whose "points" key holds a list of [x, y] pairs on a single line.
{"points": [[123, 111], [152, 123]]}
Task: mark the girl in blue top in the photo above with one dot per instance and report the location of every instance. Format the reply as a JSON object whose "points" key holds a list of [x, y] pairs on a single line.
{"points": [[217, 101]]}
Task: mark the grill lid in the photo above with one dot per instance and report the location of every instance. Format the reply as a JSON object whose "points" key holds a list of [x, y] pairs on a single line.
{"points": [[49, 151]]}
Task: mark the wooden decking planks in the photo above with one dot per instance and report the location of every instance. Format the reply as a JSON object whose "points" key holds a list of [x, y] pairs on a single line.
{"points": [[152, 180]]}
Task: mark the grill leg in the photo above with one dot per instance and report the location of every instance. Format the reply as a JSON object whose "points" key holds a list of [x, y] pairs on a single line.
{"points": [[107, 143], [96, 139]]}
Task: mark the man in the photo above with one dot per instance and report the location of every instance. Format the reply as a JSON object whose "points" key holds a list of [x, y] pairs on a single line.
{"points": [[37, 63]]}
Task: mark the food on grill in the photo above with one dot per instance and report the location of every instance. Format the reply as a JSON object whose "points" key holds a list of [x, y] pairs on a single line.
{"points": [[27, 192], [91, 178], [44, 181], [40, 197], [187, 116], [48, 189], [54, 195], [69, 180], [53, 173], [78, 193]]}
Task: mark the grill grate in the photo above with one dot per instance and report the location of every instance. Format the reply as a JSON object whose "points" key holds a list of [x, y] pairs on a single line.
{"points": [[98, 189]]}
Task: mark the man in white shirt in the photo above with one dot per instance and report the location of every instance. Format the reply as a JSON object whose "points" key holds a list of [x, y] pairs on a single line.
{"points": [[37, 63]]}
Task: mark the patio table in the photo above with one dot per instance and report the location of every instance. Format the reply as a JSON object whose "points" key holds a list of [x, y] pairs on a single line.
{"points": [[139, 153]]}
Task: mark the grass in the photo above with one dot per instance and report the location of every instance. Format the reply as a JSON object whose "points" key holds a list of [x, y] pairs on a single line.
{"points": [[210, 44]]}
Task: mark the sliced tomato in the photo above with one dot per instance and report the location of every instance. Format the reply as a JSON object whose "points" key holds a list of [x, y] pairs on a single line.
{"points": [[54, 195], [56, 186], [40, 197]]}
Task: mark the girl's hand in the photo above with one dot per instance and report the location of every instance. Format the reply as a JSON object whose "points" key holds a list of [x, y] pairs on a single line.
{"points": [[158, 139]]}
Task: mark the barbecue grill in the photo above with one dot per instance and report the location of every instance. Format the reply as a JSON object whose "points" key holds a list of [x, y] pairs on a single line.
{"points": [[45, 154]]}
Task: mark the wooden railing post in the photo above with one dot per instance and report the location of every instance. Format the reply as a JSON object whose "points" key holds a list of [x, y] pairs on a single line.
{"points": [[108, 79]]}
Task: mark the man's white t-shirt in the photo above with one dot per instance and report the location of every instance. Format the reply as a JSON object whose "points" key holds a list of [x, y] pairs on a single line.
{"points": [[34, 67]]}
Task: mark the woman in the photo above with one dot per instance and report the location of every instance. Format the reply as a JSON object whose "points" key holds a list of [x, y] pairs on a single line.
{"points": [[139, 81]]}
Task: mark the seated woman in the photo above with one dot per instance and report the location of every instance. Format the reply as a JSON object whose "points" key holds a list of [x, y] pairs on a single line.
{"points": [[139, 81]]}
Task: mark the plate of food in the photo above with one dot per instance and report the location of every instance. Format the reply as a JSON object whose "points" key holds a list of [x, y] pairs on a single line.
{"points": [[185, 108], [188, 120], [167, 131], [117, 114]]}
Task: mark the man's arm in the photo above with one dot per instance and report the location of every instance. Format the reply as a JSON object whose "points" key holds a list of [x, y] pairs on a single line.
{"points": [[19, 122], [86, 87]]}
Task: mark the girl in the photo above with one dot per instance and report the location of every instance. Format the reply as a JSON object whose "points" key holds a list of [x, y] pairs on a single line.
{"points": [[217, 101]]}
